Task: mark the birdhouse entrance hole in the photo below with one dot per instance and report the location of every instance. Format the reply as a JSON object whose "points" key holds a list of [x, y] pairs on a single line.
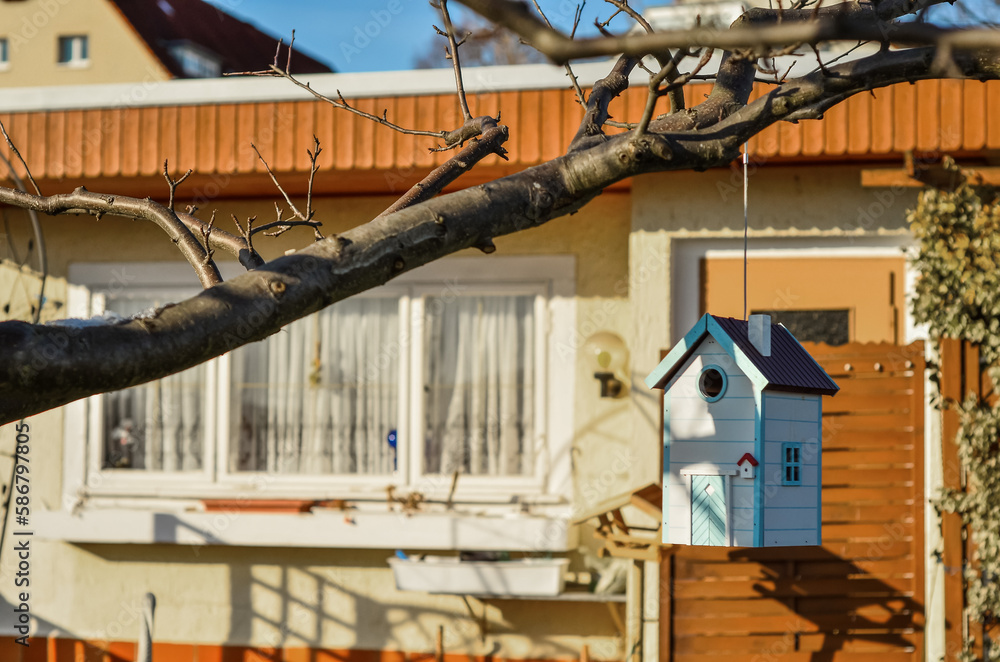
{"points": [[712, 383]]}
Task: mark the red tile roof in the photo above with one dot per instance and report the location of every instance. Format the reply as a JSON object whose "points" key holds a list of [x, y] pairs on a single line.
{"points": [[240, 46]]}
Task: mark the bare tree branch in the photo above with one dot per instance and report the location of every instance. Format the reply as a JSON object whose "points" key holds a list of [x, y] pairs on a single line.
{"points": [[219, 238], [172, 184], [574, 83], [83, 201], [604, 92], [313, 169], [284, 194], [852, 21], [452, 138], [206, 235], [456, 62], [655, 92], [283, 225], [491, 142]]}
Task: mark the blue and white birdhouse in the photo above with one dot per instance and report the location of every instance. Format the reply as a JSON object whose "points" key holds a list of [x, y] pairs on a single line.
{"points": [[742, 436]]}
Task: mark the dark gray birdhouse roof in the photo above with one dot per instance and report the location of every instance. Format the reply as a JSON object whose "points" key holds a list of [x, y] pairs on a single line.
{"points": [[788, 368]]}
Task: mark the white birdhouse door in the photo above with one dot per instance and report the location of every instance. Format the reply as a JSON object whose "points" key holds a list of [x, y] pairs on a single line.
{"points": [[708, 510]]}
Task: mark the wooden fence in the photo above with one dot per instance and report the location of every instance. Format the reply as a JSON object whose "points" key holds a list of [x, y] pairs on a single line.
{"points": [[961, 375], [857, 598]]}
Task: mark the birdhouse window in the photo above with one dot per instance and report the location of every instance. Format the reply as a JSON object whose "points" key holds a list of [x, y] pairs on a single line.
{"points": [[791, 463], [712, 383]]}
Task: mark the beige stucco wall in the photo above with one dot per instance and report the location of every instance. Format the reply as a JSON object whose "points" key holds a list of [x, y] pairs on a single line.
{"points": [[267, 597], [336, 598], [32, 29]]}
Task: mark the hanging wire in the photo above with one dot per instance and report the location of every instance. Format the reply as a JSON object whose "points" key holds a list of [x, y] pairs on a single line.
{"points": [[746, 231]]}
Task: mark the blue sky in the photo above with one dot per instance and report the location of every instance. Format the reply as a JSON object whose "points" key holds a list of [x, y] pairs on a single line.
{"points": [[385, 35], [341, 32]]}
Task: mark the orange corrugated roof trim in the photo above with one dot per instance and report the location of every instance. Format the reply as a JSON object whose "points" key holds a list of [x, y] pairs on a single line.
{"points": [[127, 146]]}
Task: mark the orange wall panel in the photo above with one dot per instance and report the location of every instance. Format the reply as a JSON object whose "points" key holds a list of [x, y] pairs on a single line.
{"points": [[150, 160], [929, 115], [207, 139]]}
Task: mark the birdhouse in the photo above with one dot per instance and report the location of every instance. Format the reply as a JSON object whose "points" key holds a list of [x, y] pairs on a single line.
{"points": [[742, 436], [746, 465]]}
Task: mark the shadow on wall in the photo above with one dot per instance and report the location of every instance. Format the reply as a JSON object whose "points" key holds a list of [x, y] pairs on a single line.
{"points": [[287, 600]]}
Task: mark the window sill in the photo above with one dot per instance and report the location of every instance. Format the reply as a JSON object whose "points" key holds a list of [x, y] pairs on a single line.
{"points": [[351, 529]]}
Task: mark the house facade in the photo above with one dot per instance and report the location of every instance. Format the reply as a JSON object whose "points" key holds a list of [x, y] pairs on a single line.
{"points": [[59, 42], [237, 493]]}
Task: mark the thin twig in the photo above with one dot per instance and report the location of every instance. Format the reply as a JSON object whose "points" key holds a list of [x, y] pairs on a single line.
{"points": [[206, 234], [580, 96], [313, 156], [13, 148], [173, 184], [655, 91], [247, 232], [274, 179], [219, 238], [456, 63], [623, 6], [452, 138], [842, 55], [342, 104], [603, 24], [283, 226]]}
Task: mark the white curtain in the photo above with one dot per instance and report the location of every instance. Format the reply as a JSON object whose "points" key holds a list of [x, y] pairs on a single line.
{"points": [[480, 383], [159, 426], [321, 396]]}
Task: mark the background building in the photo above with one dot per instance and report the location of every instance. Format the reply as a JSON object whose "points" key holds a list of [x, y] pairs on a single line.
{"points": [[110, 41]]}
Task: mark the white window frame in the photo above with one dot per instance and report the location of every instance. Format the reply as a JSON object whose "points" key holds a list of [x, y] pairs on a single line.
{"points": [[439, 484], [133, 480], [551, 279], [244, 480], [77, 59]]}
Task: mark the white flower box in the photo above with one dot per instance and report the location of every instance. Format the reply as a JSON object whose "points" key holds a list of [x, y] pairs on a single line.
{"points": [[449, 574]]}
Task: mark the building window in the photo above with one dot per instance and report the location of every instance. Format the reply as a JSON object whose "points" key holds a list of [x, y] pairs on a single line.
{"points": [[830, 326], [74, 51], [791, 463], [403, 385], [322, 396], [479, 385], [196, 62], [4, 53], [161, 426], [712, 383]]}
